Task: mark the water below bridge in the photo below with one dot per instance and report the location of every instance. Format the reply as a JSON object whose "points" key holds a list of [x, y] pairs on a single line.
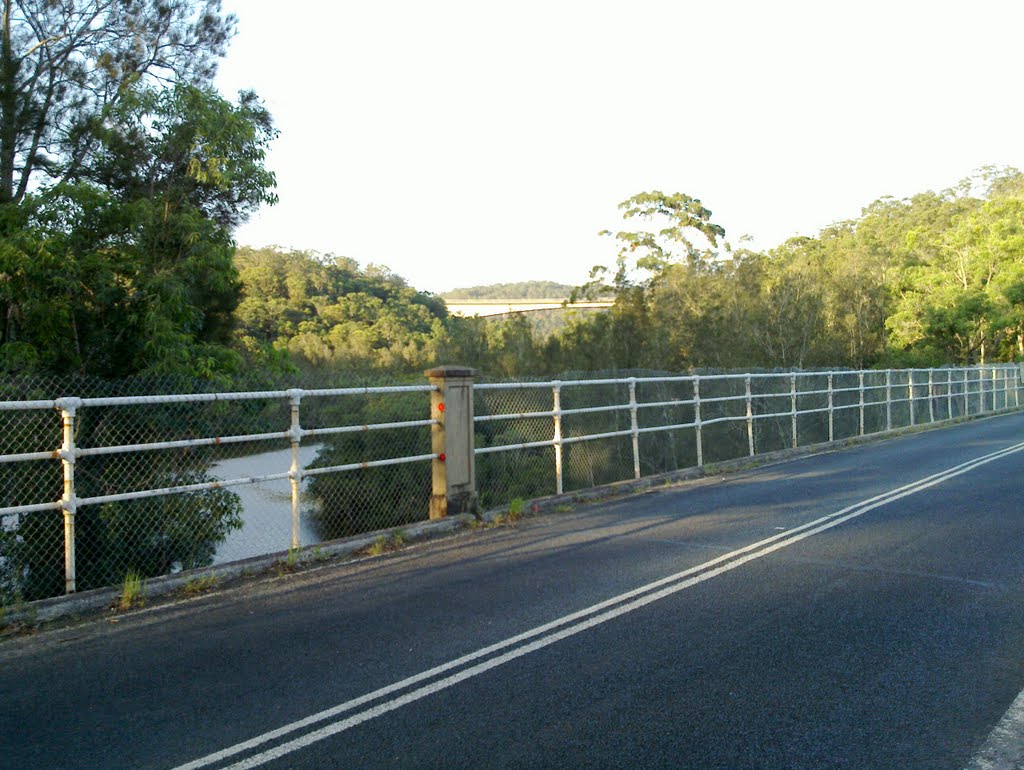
{"points": [[266, 505]]}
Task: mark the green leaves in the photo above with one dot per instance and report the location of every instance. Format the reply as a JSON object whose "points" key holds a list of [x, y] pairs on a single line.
{"points": [[65, 68], [129, 270], [652, 251], [955, 292]]}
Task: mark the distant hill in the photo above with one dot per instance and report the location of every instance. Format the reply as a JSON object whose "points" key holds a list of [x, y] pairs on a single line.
{"points": [[522, 290]]}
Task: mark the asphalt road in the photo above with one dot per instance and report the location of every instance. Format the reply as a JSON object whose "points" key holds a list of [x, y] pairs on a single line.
{"points": [[861, 608]]}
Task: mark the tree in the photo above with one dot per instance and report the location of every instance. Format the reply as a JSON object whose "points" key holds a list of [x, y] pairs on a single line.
{"points": [[130, 269], [682, 244], [327, 312], [520, 290], [651, 252], [65, 67], [122, 176], [956, 294]]}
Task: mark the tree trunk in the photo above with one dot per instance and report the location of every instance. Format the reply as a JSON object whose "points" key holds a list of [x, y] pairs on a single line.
{"points": [[8, 107]]}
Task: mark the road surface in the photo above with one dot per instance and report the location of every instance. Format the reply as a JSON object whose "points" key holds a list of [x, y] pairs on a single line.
{"points": [[861, 608]]}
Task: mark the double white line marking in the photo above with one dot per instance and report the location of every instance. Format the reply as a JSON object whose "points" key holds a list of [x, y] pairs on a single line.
{"points": [[475, 663]]}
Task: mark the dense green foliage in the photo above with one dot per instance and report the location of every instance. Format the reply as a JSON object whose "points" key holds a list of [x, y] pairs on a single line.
{"points": [[122, 175], [934, 279], [323, 313], [926, 281], [130, 269], [327, 312]]}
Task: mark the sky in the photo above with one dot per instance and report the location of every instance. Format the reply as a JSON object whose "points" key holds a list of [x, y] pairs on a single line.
{"points": [[466, 143]]}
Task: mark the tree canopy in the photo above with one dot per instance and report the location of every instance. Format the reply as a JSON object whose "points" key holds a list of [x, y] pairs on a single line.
{"points": [[129, 269], [122, 176], [930, 280], [64, 67]]}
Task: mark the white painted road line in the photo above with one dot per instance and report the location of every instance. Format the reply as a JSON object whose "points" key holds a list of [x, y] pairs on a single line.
{"points": [[547, 633], [1004, 749]]}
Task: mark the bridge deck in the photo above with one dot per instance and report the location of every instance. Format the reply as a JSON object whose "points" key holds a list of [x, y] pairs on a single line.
{"points": [[492, 307]]}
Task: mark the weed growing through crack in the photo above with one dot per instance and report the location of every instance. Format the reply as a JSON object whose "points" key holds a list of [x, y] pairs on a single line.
{"points": [[198, 585], [133, 591], [387, 543], [515, 510], [289, 563]]}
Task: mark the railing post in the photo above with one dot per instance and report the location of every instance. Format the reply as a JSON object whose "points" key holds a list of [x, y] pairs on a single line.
{"points": [[993, 389], [453, 468], [860, 380], [69, 501], [888, 399], [831, 417], [696, 420], [750, 418], [295, 472], [949, 394], [792, 395], [931, 396], [634, 425], [910, 392], [556, 407]]}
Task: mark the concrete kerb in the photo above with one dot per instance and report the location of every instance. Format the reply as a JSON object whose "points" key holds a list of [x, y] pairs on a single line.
{"points": [[638, 486], [102, 599]]}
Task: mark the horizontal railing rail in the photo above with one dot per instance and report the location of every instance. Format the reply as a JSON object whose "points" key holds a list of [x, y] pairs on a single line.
{"points": [[964, 390], [402, 448], [71, 452]]}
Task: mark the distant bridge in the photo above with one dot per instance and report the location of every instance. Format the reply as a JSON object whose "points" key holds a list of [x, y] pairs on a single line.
{"points": [[493, 307]]}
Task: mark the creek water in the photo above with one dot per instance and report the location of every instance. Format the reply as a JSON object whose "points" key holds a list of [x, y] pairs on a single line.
{"points": [[266, 505]]}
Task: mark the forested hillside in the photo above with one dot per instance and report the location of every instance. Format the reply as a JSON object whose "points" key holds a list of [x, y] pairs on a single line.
{"points": [[931, 280], [521, 290]]}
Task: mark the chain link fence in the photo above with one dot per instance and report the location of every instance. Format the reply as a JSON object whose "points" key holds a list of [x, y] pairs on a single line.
{"points": [[535, 439], [165, 482], [170, 475]]}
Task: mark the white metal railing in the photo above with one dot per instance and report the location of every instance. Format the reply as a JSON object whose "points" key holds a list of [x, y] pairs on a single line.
{"points": [[753, 412], [946, 393], [70, 452]]}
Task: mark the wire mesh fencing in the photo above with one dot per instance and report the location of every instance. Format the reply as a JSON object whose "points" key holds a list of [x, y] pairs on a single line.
{"points": [[93, 489], [100, 480], [536, 439]]}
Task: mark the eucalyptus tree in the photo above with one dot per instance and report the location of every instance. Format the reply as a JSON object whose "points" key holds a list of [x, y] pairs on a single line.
{"points": [[129, 269], [956, 296], [677, 250], [65, 66]]}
